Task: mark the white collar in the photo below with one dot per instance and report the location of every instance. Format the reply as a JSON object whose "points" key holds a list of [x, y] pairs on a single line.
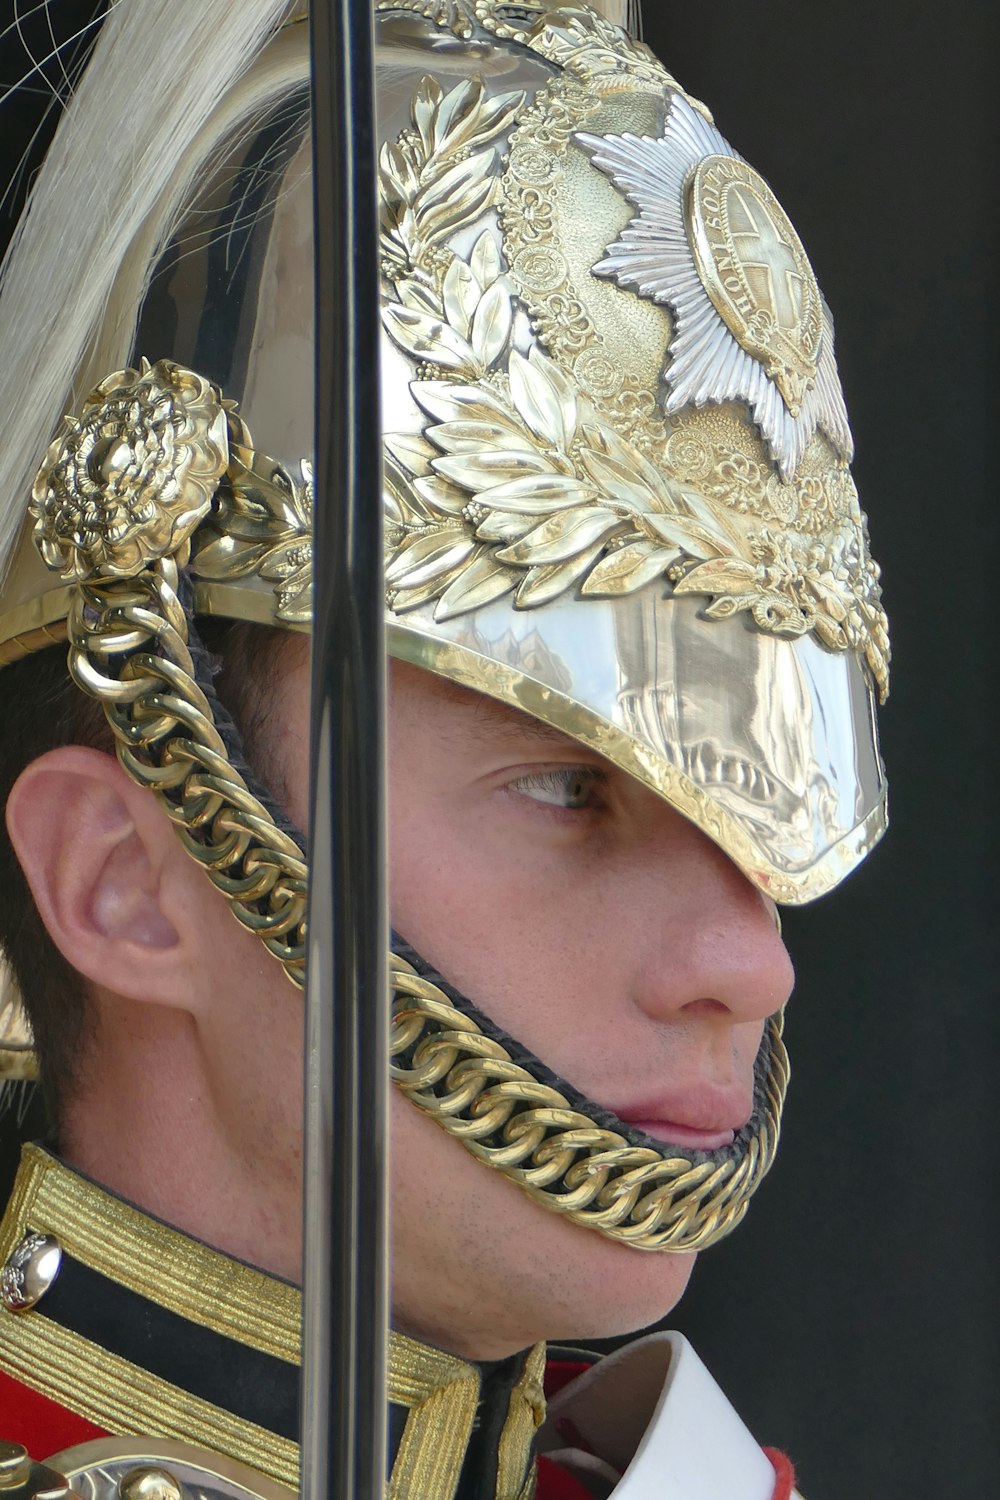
{"points": [[654, 1415]]}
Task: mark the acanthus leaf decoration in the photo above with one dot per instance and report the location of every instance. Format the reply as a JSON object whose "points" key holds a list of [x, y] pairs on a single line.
{"points": [[518, 483], [261, 524]]}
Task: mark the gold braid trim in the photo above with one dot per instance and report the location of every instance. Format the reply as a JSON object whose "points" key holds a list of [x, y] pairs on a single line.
{"points": [[525, 1415], [652, 1199]]}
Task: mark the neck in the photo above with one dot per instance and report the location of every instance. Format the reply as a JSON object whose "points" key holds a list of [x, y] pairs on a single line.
{"points": [[225, 1171], [173, 1335]]}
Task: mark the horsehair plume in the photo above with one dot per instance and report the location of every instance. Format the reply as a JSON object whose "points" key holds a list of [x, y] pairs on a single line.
{"points": [[107, 198]]}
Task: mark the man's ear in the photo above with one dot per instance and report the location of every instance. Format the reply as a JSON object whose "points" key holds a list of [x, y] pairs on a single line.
{"points": [[109, 877]]}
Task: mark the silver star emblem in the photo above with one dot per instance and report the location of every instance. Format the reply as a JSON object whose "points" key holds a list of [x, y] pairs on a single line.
{"points": [[712, 242]]}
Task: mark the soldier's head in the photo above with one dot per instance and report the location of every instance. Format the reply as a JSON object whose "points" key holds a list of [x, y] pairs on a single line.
{"points": [[636, 640]]}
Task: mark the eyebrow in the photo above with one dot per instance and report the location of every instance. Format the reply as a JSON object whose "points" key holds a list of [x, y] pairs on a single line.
{"points": [[493, 717]]}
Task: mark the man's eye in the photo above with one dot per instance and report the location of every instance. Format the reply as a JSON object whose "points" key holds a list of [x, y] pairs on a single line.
{"points": [[569, 788]]}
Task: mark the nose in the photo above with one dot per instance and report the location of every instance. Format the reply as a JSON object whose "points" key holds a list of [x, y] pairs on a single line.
{"points": [[706, 941]]}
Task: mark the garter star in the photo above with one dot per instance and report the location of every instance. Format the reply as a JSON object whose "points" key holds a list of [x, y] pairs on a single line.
{"points": [[713, 243]]}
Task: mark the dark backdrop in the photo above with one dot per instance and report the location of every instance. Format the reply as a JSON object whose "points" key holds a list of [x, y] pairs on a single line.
{"points": [[853, 1317]]}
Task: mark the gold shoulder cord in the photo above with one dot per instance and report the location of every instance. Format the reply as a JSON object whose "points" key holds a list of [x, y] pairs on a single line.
{"points": [[153, 455]]}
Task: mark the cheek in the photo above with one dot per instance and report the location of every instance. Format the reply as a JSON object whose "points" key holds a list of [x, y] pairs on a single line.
{"points": [[492, 913]]}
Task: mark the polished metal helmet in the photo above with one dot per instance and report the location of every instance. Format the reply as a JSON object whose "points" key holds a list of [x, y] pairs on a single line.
{"points": [[617, 497]]}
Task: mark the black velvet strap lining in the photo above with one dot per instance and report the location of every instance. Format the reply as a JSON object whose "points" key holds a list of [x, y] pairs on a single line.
{"points": [[205, 668], [250, 1384]]}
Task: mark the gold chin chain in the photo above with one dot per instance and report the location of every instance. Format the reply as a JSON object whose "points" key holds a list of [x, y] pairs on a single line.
{"points": [[652, 1199], [154, 454], [129, 649]]}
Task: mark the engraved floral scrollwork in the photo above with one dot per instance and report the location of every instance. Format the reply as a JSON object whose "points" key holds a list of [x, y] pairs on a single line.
{"points": [[576, 38], [520, 482], [456, 16], [127, 481]]}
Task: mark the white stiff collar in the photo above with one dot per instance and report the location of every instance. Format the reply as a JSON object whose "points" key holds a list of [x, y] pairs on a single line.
{"points": [[652, 1414]]}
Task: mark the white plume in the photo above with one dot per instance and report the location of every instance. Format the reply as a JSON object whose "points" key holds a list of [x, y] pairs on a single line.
{"points": [[166, 85]]}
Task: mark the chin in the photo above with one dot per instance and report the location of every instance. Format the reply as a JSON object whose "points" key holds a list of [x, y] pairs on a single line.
{"points": [[481, 1269], [613, 1289]]}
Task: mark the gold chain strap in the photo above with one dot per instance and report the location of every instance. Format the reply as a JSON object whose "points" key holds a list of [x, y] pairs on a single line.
{"points": [[529, 1131], [117, 503], [129, 649]]}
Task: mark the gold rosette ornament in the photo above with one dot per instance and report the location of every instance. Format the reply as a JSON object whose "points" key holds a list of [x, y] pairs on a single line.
{"points": [[129, 479]]}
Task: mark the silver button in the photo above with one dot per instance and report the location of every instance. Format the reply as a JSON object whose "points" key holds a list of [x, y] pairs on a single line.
{"points": [[31, 1268], [14, 1466]]}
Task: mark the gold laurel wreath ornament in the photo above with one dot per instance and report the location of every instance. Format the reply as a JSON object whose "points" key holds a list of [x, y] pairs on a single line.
{"points": [[520, 483]]}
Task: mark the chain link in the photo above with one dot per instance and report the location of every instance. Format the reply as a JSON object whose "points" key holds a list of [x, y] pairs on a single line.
{"points": [[653, 1199], [129, 649]]}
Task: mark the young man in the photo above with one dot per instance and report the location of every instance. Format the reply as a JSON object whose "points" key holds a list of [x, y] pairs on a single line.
{"points": [[637, 642]]}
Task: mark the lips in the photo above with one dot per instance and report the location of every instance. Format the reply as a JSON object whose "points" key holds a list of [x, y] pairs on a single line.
{"points": [[703, 1119], [675, 1134]]}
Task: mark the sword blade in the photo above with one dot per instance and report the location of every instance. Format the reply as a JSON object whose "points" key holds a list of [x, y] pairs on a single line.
{"points": [[344, 1303]]}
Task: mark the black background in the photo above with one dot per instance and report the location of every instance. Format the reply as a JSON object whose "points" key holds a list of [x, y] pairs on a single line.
{"points": [[853, 1318]]}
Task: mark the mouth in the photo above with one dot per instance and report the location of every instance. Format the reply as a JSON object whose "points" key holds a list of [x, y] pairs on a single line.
{"points": [[704, 1119], [703, 1143], [675, 1134]]}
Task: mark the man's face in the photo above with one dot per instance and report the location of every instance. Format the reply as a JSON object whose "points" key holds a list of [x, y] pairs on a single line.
{"points": [[610, 938]]}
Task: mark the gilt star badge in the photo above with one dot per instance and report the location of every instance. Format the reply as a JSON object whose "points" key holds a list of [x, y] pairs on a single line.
{"points": [[712, 242]]}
